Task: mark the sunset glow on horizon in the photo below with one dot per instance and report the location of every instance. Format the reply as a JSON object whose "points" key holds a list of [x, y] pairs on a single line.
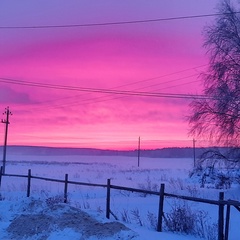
{"points": [[43, 72]]}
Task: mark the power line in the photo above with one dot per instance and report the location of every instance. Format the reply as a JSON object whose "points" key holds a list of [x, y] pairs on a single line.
{"points": [[116, 23], [102, 99], [99, 99], [142, 81], [101, 90], [106, 98], [170, 81]]}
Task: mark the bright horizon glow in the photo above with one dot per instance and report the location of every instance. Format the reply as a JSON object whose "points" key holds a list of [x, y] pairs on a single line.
{"points": [[163, 57]]}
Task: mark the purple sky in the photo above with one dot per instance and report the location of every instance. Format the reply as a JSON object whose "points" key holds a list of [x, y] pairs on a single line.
{"points": [[162, 57]]}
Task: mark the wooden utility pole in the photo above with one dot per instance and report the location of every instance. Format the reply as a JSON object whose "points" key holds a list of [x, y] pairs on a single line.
{"points": [[138, 151], [6, 122]]}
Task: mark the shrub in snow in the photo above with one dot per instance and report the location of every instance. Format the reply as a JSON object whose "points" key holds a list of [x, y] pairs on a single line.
{"points": [[219, 178], [192, 190], [176, 184], [149, 186], [223, 181], [52, 201], [152, 218], [182, 219], [125, 216], [218, 168], [136, 217]]}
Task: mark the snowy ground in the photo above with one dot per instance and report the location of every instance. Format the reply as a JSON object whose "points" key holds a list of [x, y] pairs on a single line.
{"points": [[43, 216]]}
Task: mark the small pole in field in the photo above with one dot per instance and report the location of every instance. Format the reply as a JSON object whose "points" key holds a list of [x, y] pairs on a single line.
{"points": [[138, 151]]}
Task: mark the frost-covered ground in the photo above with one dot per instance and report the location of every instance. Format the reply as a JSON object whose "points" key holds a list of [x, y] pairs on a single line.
{"points": [[43, 216]]}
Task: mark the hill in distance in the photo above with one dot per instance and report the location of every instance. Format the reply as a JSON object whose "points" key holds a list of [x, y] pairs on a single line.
{"points": [[173, 152]]}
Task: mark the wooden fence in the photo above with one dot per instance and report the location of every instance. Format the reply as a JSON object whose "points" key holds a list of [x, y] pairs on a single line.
{"points": [[223, 228]]}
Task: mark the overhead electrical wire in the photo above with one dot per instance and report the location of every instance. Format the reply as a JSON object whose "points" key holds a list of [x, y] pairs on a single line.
{"points": [[170, 81], [116, 23], [141, 81], [105, 98], [108, 97], [101, 90], [101, 99]]}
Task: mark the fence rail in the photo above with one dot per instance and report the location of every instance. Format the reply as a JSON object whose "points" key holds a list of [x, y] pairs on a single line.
{"points": [[223, 229]]}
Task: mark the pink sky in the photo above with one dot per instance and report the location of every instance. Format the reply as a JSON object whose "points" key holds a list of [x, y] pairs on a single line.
{"points": [[147, 57]]}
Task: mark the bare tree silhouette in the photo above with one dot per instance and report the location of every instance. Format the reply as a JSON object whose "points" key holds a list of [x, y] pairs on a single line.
{"points": [[218, 116]]}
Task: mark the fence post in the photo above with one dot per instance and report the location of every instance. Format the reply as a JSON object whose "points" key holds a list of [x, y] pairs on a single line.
{"points": [[160, 209], [29, 183], [108, 199], [221, 217], [65, 188], [1, 171], [227, 221]]}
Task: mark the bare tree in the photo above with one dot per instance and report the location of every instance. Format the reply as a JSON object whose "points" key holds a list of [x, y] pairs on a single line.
{"points": [[218, 116]]}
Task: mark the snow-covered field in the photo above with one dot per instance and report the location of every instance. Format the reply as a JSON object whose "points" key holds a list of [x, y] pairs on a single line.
{"points": [[43, 216]]}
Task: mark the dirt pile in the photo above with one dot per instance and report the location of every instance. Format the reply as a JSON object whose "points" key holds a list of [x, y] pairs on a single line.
{"points": [[40, 225]]}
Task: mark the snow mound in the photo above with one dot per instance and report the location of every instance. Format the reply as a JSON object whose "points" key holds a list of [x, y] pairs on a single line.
{"points": [[39, 221]]}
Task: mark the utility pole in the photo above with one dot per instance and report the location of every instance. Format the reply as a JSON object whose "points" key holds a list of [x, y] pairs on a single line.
{"points": [[194, 153], [138, 151], [6, 122]]}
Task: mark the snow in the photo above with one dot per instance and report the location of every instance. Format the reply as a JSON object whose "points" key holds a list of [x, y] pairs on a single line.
{"points": [[44, 216]]}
